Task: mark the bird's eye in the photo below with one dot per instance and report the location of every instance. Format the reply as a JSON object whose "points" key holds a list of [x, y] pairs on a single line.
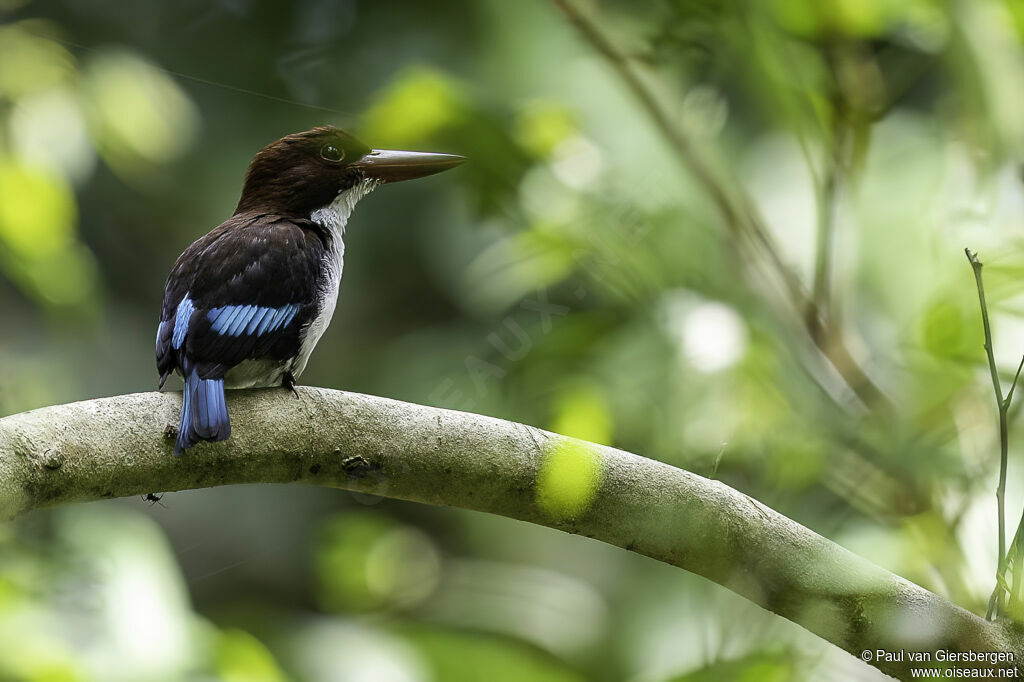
{"points": [[332, 153]]}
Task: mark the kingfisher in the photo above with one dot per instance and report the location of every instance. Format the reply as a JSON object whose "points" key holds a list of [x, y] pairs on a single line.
{"points": [[245, 305]]}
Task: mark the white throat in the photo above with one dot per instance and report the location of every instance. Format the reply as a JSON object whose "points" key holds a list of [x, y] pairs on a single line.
{"points": [[333, 217]]}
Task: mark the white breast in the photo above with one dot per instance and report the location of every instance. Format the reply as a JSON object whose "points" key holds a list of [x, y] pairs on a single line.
{"points": [[334, 217]]}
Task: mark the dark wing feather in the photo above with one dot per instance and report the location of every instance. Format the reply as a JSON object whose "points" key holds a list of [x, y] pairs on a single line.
{"points": [[252, 286]]}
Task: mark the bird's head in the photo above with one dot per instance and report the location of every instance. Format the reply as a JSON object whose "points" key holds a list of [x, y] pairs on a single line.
{"points": [[306, 171]]}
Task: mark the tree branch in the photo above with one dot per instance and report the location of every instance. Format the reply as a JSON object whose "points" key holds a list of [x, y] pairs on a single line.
{"points": [[735, 207], [122, 446]]}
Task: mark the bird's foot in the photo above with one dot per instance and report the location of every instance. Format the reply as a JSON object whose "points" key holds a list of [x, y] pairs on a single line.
{"points": [[289, 383]]}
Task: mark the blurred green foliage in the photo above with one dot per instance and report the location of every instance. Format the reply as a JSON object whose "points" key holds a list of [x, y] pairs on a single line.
{"points": [[240, 657], [368, 562], [576, 275]]}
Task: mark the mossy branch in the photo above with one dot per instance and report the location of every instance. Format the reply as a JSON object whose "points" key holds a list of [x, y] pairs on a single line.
{"points": [[121, 446]]}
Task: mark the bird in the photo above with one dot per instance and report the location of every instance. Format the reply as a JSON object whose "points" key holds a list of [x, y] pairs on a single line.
{"points": [[245, 305]]}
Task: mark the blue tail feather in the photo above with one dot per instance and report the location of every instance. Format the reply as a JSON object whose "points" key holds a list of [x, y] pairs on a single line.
{"points": [[204, 412]]}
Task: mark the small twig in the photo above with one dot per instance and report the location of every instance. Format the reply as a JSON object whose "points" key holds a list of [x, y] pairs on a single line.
{"points": [[1016, 376], [1017, 545], [819, 311], [1014, 561], [995, 602], [821, 291]]}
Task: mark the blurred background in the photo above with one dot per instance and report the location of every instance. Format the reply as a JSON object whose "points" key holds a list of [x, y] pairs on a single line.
{"points": [[725, 234]]}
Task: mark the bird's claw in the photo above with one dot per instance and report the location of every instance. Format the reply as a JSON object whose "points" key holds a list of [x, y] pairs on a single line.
{"points": [[289, 383]]}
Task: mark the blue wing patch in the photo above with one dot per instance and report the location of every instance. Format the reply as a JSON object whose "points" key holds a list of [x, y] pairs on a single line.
{"points": [[181, 320], [236, 320]]}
